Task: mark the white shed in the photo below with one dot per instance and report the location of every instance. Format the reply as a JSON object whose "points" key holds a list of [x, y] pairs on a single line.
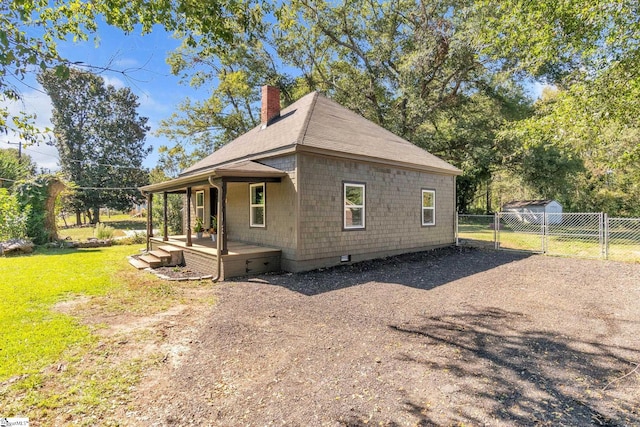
{"points": [[532, 211]]}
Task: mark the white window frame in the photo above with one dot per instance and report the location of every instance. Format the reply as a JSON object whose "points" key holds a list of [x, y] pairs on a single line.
{"points": [[346, 207], [263, 205], [200, 208], [428, 208]]}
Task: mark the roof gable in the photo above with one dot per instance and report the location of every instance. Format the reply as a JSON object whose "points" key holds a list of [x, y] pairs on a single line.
{"points": [[527, 203], [317, 123]]}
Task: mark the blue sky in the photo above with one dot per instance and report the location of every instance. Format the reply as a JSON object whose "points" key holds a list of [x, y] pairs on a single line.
{"points": [[147, 75]]}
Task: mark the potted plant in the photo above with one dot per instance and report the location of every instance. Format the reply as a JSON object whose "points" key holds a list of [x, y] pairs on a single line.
{"points": [[199, 228], [214, 227]]}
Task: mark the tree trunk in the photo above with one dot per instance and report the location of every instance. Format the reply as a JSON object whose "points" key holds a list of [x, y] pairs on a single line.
{"points": [[55, 188], [78, 217], [96, 215], [88, 214]]}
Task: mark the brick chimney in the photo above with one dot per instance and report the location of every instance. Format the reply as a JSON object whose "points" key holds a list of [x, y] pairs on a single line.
{"points": [[270, 104]]}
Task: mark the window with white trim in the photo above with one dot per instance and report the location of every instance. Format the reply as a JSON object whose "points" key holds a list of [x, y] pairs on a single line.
{"points": [[257, 204], [200, 205], [428, 207], [354, 206]]}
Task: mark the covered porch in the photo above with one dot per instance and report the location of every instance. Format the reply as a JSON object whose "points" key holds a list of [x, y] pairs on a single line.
{"points": [[208, 210], [241, 258]]}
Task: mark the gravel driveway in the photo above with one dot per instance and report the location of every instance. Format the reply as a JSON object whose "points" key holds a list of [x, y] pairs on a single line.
{"points": [[449, 337]]}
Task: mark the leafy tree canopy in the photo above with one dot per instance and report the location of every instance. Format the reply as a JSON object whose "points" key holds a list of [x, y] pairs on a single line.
{"points": [[100, 139], [31, 29], [14, 167]]}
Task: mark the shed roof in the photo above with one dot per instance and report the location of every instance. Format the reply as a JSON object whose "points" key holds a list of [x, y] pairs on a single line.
{"points": [[526, 203], [315, 123]]}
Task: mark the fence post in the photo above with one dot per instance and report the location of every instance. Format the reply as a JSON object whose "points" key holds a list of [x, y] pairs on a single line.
{"points": [[496, 231], [606, 236], [544, 232], [457, 231]]}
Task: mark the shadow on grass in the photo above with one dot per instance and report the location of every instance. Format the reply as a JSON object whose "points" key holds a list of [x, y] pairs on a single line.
{"points": [[63, 251], [510, 375], [422, 270]]}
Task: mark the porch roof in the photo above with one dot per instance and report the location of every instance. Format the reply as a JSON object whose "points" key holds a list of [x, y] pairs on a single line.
{"points": [[240, 171]]}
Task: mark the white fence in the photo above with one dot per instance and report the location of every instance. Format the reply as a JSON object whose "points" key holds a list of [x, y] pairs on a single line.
{"points": [[586, 235]]}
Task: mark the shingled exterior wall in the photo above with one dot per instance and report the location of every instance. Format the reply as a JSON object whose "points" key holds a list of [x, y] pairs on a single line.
{"points": [[393, 211], [281, 209]]}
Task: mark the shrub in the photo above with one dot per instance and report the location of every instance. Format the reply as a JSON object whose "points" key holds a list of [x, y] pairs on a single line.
{"points": [[13, 219], [135, 239], [103, 231]]}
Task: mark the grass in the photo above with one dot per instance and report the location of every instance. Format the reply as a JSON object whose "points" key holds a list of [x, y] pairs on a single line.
{"points": [[51, 364], [577, 246], [121, 223]]}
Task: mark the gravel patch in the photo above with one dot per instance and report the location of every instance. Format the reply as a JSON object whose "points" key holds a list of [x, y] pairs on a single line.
{"points": [[449, 337]]}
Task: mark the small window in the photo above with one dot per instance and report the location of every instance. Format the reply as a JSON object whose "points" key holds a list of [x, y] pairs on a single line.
{"points": [[257, 205], [428, 207], [354, 206], [200, 205]]}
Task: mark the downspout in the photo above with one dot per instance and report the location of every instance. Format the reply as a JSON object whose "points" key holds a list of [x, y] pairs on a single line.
{"points": [[219, 239]]}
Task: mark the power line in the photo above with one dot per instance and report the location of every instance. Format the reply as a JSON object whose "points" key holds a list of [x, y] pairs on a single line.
{"points": [[86, 188], [78, 161]]}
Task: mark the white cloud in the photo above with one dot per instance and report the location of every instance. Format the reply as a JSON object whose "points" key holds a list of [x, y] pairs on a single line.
{"points": [[113, 81], [36, 103]]}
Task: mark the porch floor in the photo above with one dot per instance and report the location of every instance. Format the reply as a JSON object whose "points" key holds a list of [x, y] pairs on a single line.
{"points": [[206, 246]]}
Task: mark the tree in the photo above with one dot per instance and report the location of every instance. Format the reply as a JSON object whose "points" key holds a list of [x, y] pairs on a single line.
{"points": [[175, 205], [31, 29], [412, 68], [100, 139], [240, 70], [13, 217], [14, 167]]}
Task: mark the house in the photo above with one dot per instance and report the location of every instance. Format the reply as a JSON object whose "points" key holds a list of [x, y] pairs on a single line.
{"points": [[533, 211], [313, 185]]}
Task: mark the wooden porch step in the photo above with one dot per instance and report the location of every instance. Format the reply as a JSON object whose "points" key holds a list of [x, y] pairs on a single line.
{"points": [[162, 255], [176, 254], [152, 260], [139, 264]]}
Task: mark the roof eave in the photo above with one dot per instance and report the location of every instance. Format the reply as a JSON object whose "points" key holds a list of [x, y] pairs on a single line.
{"points": [[452, 170]]}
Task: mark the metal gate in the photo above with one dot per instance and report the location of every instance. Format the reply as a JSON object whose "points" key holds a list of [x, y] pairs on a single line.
{"points": [[520, 232], [574, 234]]}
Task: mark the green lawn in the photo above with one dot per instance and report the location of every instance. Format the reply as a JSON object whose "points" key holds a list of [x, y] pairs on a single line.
{"points": [[120, 223], [585, 247], [32, 335], [52, 364]]}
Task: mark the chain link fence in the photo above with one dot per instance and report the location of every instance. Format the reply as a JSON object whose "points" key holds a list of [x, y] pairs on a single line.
{"points": [[584, 235]]}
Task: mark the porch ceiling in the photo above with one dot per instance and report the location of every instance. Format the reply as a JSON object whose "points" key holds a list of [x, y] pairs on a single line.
{"points": [[240, 171]]}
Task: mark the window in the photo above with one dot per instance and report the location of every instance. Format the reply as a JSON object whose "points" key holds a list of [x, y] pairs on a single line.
{"points": [[354, 206], [428, 207], [200, 205], [257, 205]]}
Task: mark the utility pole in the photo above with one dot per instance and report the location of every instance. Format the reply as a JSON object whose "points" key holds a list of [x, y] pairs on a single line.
{"points": [[19, 144]]}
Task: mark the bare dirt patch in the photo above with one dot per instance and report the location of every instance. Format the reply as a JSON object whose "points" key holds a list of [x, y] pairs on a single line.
{"points": [[442, 338]]}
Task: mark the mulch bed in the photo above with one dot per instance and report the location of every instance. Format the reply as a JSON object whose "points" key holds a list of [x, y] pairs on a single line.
{"points": [[449, 337]]}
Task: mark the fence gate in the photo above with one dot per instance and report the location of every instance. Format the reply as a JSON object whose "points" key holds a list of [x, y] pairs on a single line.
{"points": [[520, 232], [575, 234]]}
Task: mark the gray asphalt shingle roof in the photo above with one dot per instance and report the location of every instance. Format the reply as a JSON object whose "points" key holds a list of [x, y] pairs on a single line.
{"points": [[316, 123]]}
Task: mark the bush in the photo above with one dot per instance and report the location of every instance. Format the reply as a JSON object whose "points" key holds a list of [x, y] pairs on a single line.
{"points": [[13, 219], [136, 239], [103, 231]]}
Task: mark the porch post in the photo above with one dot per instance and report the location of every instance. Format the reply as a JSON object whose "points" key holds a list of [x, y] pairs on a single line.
{"points": [[148, 221], [188, 209], [165, 234], [150, 214], [222, 225]]}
